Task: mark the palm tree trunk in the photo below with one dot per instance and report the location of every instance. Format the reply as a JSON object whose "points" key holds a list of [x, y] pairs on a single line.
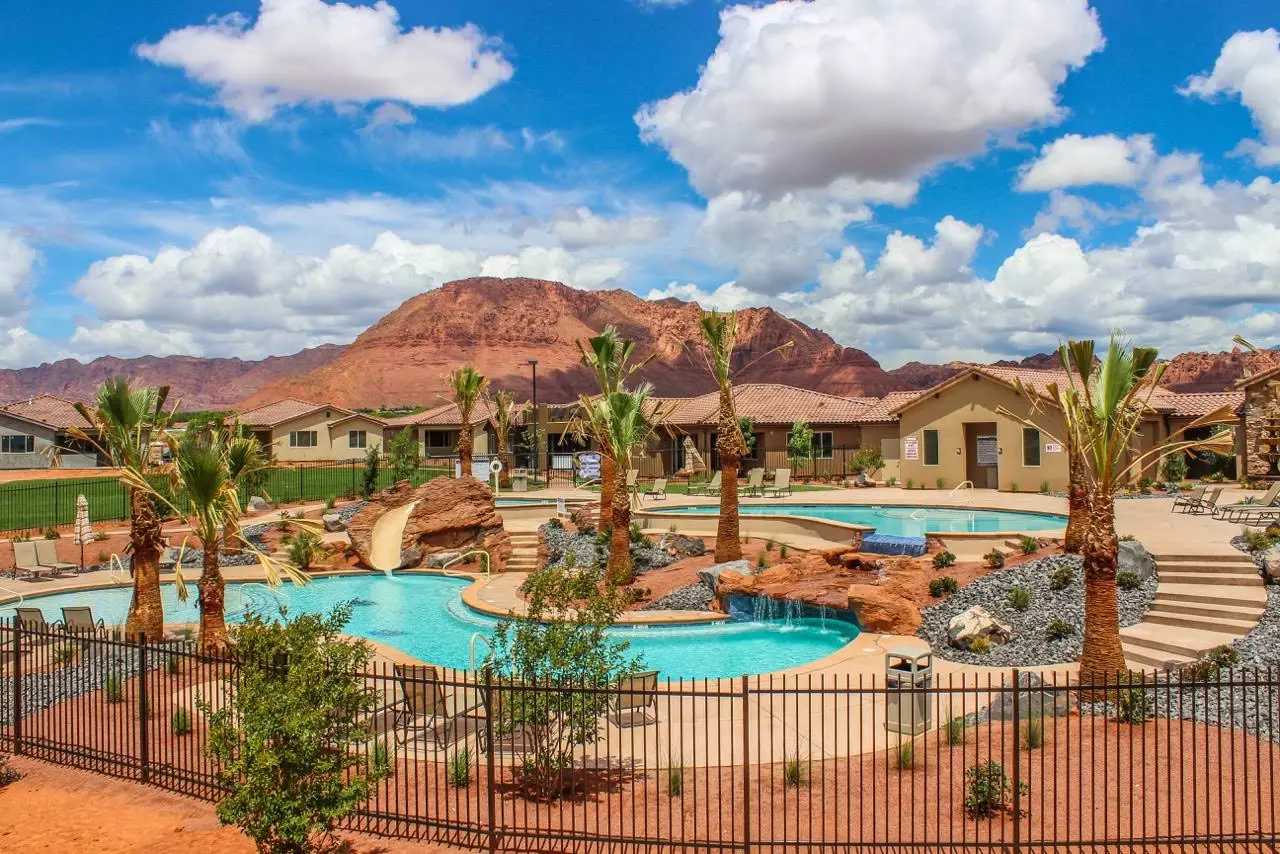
{"points": [[608, 486], [1077, 507], [619, 570], [728, 544], [465, 443], [504, 457], [1103, 656], [213, 594], [146, 540]]}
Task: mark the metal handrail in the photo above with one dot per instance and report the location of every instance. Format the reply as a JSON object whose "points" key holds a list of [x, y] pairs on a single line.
{"points": [[116, 571], [479, 636], [484, 554], [963, 484]]}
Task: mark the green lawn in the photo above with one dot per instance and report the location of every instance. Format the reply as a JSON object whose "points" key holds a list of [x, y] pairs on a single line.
{"points": [[683, 488]]}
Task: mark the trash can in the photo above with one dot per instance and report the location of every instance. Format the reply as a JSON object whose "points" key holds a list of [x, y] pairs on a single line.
{"points": [[907, 711], [519, 480]]}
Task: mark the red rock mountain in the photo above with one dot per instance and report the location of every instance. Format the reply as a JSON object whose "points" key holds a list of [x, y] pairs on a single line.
{"points": [[498, 325]]}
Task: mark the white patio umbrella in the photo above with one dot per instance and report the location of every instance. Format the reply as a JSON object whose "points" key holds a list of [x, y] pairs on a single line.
{"points": [[84, 529]]}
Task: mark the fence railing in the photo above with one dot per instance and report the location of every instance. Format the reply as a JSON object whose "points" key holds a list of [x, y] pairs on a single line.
{"points": [[769, 763]]}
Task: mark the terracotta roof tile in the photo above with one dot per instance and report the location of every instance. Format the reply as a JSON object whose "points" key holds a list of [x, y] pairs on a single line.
{"points": [[770, 403], [884, 409], [1197, 404], [447, 415], [281, 411], [56, 412]]}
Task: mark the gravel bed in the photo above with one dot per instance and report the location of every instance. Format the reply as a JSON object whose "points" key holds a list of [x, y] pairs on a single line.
{"points": [[695, 597], [1125, 496], [560, 543], [349, 511], [1029, 647], [46, 689]]}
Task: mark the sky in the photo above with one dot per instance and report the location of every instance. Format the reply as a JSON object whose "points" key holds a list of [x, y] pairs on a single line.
{"points": [[923, 180]]}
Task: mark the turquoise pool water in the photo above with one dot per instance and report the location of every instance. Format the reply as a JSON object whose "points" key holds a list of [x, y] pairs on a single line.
{"points": [[424, 616], [904, 520]]}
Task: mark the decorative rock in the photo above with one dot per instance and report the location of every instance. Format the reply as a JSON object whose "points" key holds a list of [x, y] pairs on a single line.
{"points": [[410, 558], [1270, 560], [333, 522], [1134, 557], [438, 560], [681, 546], [257, 504], [882, 611], [977, 622], [710, 577]]}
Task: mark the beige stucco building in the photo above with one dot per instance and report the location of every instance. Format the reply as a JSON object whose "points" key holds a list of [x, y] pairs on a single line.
{"points": [[301, 431]]}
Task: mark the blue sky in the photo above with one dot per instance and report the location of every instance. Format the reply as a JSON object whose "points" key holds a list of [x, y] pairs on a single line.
{"points": [[972, 181]]}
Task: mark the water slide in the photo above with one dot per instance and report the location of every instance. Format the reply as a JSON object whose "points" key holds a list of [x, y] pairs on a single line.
{"points": [[387, 534]]}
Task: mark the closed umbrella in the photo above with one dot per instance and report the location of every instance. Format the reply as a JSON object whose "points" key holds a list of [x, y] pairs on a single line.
{"points": [[84, 530]]}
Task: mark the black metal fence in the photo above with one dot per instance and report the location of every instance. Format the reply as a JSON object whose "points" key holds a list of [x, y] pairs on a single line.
{"points": [[770, 763]]}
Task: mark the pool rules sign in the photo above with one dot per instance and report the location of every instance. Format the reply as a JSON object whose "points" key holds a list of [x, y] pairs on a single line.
{"points": [[911, 447]]}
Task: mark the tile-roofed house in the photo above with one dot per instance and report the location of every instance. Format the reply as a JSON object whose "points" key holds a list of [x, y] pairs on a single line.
{"points": [[35, 432], [283, 410], [58, 413], [1195, 404], [436, 429], [299, 430]]}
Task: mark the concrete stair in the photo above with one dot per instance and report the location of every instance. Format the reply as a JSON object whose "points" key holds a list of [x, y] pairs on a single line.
{"points": [[1203, 602], [524, 552]]}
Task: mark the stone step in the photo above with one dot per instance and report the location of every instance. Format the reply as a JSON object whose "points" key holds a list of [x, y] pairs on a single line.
{"points": [[1170, 591], [1237, 557], [1204, 609], [1212, 578], [1197, 566], [1199, 621], [1139, 657], [1180, 641]]}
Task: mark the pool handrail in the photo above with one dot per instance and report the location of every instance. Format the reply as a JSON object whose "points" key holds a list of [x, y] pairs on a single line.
{"points": [[962, 485], [479, 636], [116, 571], [484, 554]]}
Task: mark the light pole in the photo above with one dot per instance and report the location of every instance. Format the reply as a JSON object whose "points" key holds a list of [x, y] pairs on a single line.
{"points": [[533, 363]]}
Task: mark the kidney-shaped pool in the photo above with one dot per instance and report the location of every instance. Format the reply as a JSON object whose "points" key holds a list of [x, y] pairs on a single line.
{"points": [[904, 520]]}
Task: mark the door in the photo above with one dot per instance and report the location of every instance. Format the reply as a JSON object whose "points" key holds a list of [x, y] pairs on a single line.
{"points": [[982, 455]]}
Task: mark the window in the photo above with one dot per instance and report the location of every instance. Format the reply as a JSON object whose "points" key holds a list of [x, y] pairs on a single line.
{"points": [[357, 438], [303, 439], [17, 444], [440, 440], [824, 447], [931, 447], [1030, 447]]}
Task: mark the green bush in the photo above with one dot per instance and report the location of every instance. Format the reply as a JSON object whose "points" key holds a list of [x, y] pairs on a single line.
{"points": [[65, 654], [459, 770], [994, 558], [403, 456], [1210, 665], [1062, 578], [635, 533], [981, 646], [986, 789], [8, 774], [1132, 705], [330, 503], [369, 482], [906, 758], [957, 731], [675, 780], [180, 722], [911, 484], [1257, 541], [1059, 629], [1033, 733], [113, 688], [943, 559], [303, 548], [1175, 467], [1028, 545], [866, 461], [1013, 487], [783, 551], [52, 534], [891, 481], [1128, 580], [1019, 598], [1044, 487], [554, 522], [941, 483], [940, 587], [285, 742], [793, 772]]}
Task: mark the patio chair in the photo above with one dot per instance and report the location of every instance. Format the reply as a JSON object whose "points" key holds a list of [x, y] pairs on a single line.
{"points": [[1206, 504], [47, 555], [781, 483], [632, 476], [1185, 501], [658, 491], [711, 487], [426, 706], [25, 560], [754, 487], [32, 619], [78, 620], [637, 694], [1237, 512]]}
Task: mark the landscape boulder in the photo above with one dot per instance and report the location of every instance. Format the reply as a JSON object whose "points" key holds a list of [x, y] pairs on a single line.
{"points": [[710, 577], [447, 515], [1134, 557], [977, 622], [883, 611], [333, 522], [257, 504], [439, 560], [678, 545], [1271, 563]]}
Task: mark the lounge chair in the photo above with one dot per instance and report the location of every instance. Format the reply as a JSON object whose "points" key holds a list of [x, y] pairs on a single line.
{"points": [[47, 555], [32, 619], [754, 487], [637, 694], [711, 487], [78, 620], [781, 483], [658, 491], [1206, 504], [1185, 501], [25, 560], [1238, 512], [632, 476], [426, 706]]}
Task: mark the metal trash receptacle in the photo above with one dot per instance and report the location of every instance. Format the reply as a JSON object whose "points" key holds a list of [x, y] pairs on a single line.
{"points": [[519, 480], [908, 712]]}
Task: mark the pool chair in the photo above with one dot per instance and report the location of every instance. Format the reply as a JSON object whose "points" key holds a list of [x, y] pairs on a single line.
{"points": [[637, 694], [47, 555], [1185, 501], [711, 487], [632, 476], [78, 620], [781, 483], [32, 619], [658, 491], [426, 705], [25, 560], [1207, 504], [754, 487], [1240, 512]]}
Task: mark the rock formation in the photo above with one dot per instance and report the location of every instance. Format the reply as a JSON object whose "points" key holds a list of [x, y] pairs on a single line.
{"points": [[977, 623], [448, 515]]}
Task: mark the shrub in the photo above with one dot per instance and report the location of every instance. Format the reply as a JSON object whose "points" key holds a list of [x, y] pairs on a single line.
{"points": [[402, 455], [99, 536], [1175, 467], [173, 665], [1028, 545], [554, 522], [943, 559], [459, 771], [1044, 487], [941, 483], [52, 534], [770, 545], [891, 481], [1013, 487], [911, 484], [793, 772], [180, 722], [1033, 733], [782, 551], [1128, 538], [64, 654], [113, 688], [1128, 580], [1133, 706], [1257, 541], [675, 780], [981, 646], [285, 740], [1210, 666], [760, 561], [382, 758], [330, 503], [906, 758], [1145, 483], [1019, 599], [8, 774], [940, 587], [994, 558], [957, 731], [866, 461], [1062, 578], [1059, 629], [303, 548], [635, 533], [103, 557], [369, 481], [283, 524], [986, 788]]}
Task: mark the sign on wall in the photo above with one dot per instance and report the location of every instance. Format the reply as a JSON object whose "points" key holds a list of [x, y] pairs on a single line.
{"points": [[911, 448], [988, 451], [1052, 448]]}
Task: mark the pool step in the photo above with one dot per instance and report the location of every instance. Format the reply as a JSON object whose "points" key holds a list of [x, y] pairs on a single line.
{"points": [[524, 552]]}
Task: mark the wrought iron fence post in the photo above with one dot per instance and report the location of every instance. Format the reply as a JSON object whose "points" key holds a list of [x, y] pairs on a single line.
{"points": [[17, 686], [1017, 766], [746, 766], [490, 786], [144, 712]]}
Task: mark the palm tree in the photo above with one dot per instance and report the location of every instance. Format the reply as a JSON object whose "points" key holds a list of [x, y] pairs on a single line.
{"points": [[608, 357], [505, 411], [248, 465], [720, 337], [467, 386], [1103, 407], [128, 421]]}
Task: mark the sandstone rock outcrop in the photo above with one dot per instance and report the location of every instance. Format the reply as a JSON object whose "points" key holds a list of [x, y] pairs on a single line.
{"points": [[879, 609], [448, 515]]}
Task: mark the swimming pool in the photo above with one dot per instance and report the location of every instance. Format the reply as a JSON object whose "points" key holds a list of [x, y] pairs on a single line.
{"points": [[903, 520], [424, 616]]}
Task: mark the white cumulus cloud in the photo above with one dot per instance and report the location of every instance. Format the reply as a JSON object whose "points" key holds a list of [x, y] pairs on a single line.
{"points": [[1249, 67], [17, 271], [315, 52], [581, 228], [1077, 161], [799, 95]]}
